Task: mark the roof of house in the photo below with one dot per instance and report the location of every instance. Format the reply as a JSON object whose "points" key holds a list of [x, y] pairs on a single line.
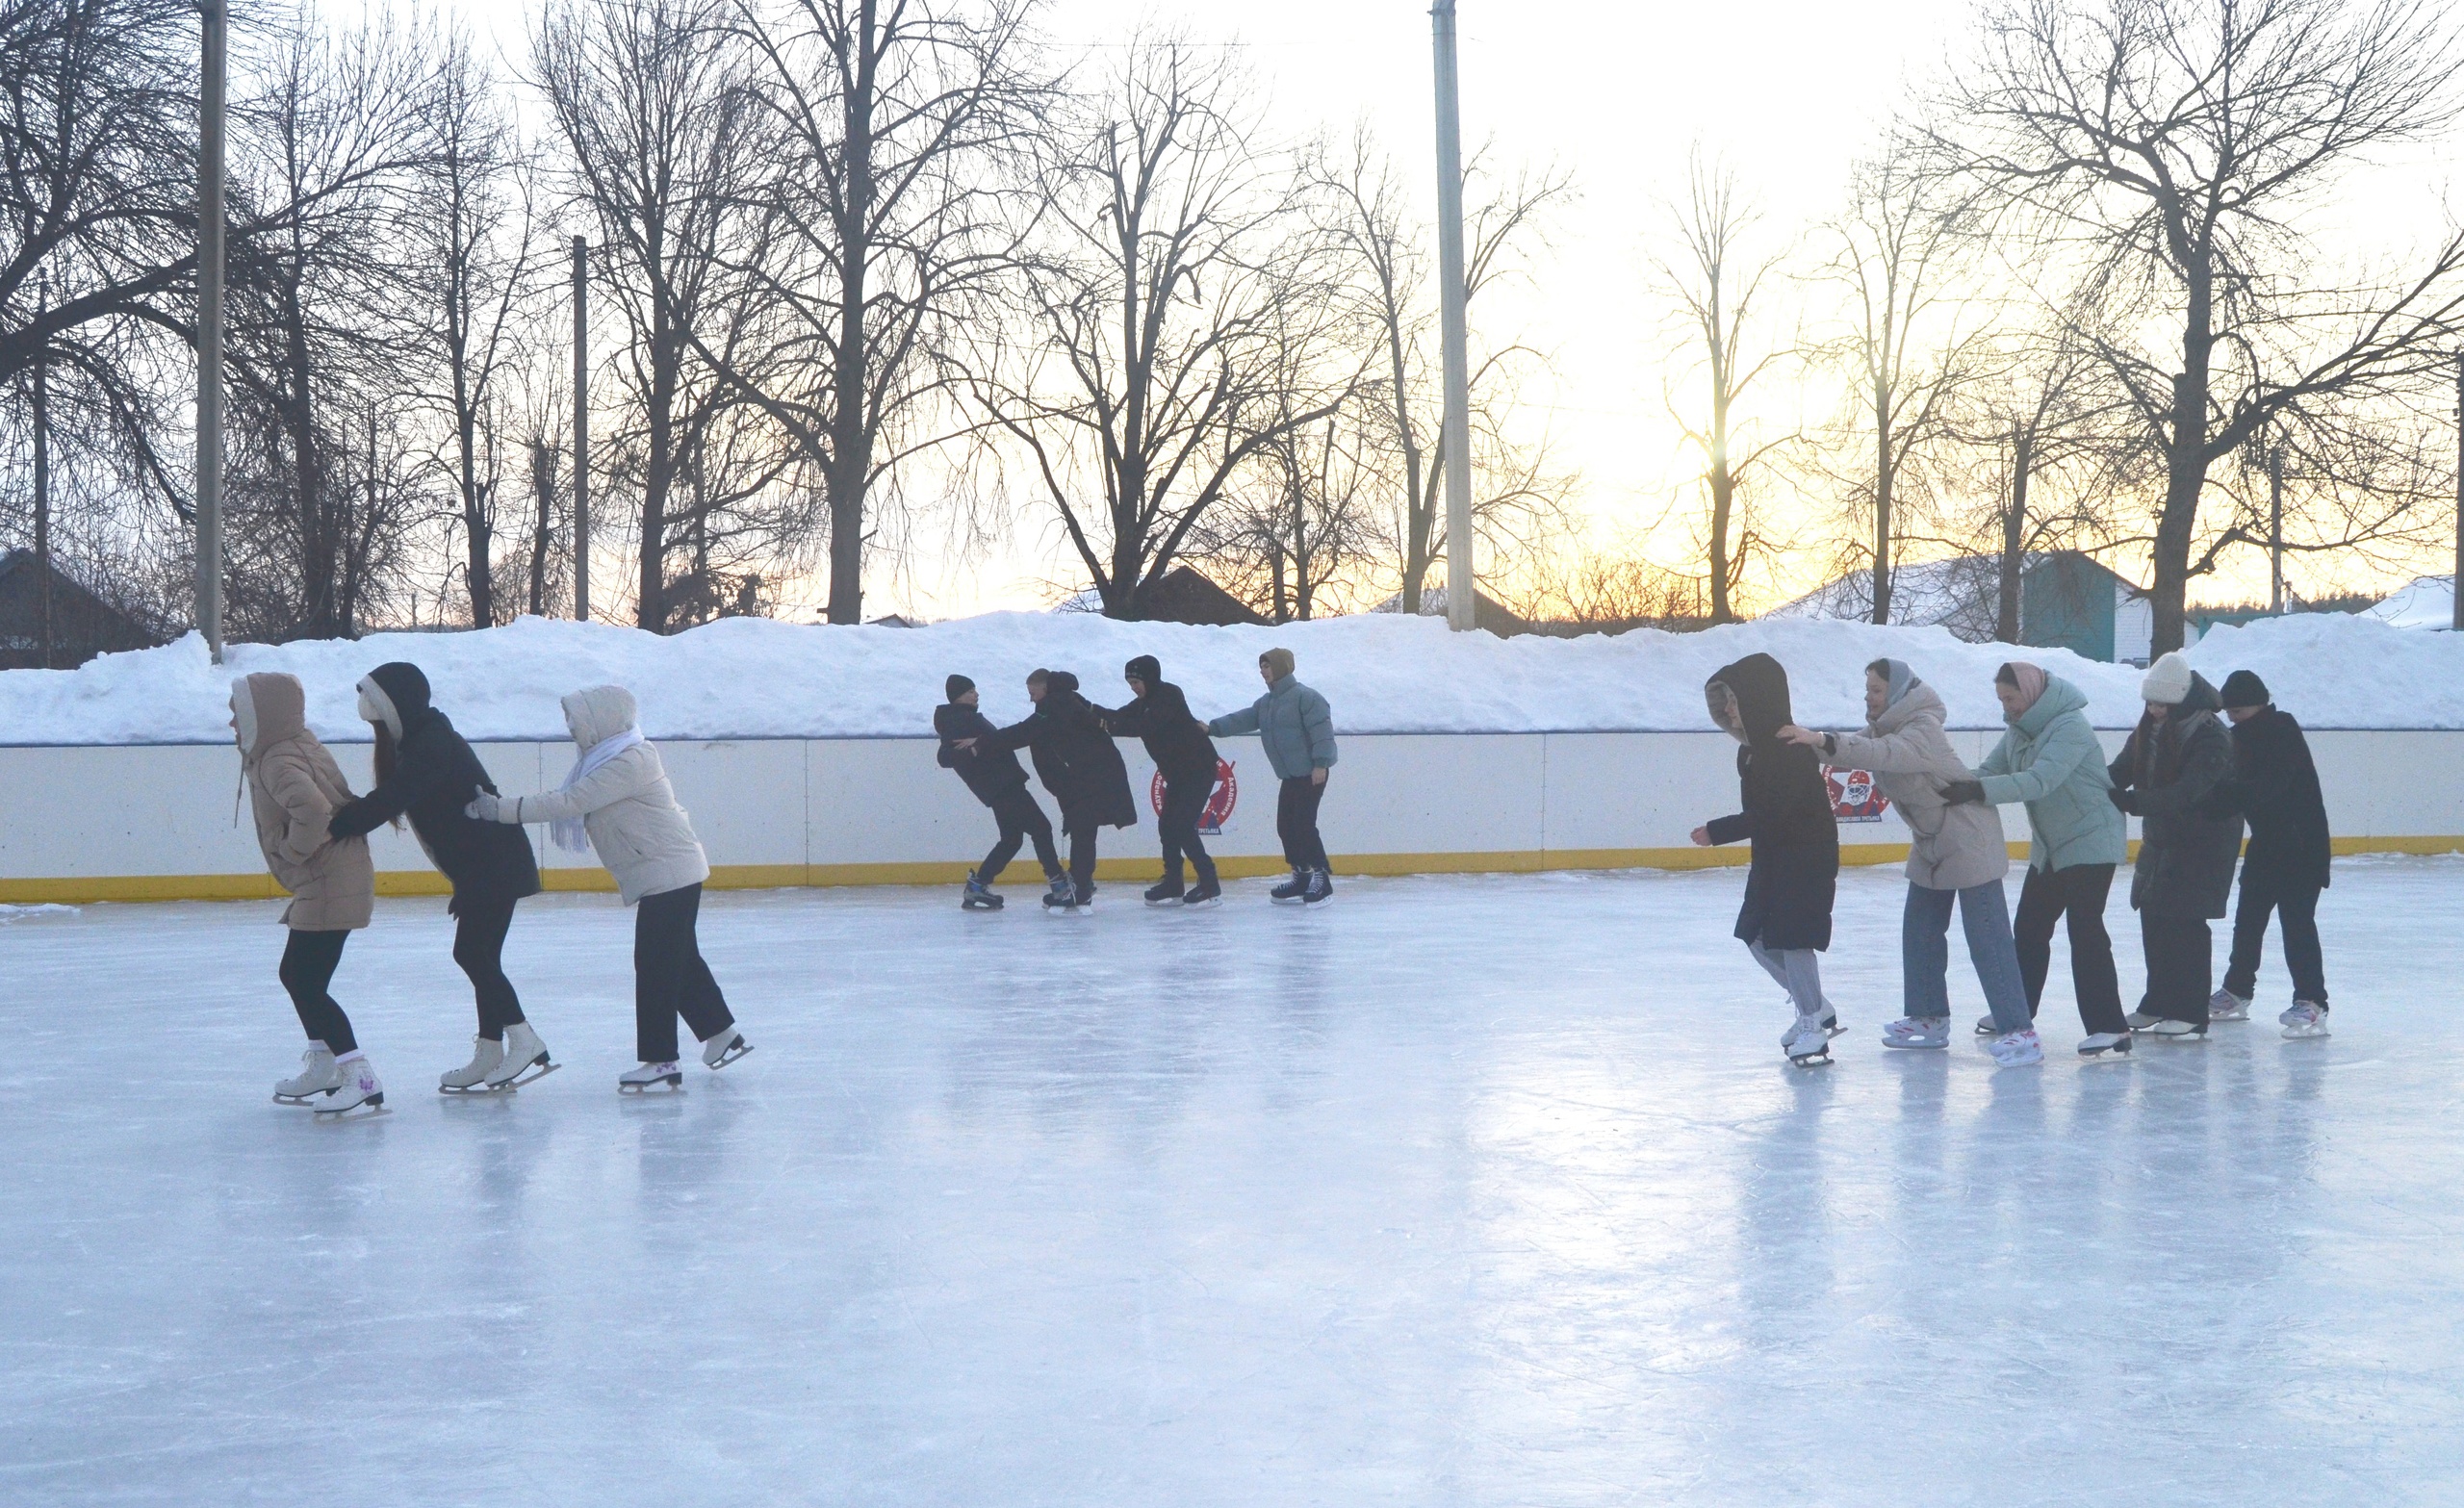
{"points": [[1961, 594], [1181, 594], [2424, 602]]}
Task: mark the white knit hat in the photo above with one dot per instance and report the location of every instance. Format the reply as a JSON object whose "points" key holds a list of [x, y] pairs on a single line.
{"points": [[2167, 681]]}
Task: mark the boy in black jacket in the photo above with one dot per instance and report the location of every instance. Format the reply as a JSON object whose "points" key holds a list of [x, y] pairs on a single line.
{"points": [[1075, 759], [994, 775], [2275, 786], [1177, 742]]}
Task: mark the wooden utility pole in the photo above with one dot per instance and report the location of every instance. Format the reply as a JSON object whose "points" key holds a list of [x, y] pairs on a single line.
{"points": [[581, 430], [2276, 528], [208, 329], [1462, 590], [2455, 585], [42, 404]]}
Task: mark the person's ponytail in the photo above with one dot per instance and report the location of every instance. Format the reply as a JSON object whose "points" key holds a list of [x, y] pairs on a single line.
{"points": [[386, 757]]}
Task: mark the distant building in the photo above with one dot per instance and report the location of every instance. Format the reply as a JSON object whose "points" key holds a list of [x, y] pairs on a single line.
{"points": [[1181, 594], [2428, 602], [2066, 600], [83, 625], [1485, 611]]}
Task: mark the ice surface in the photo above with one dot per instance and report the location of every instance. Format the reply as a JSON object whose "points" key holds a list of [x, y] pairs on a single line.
{"points": [[1384, 672], [1472, 1190]]}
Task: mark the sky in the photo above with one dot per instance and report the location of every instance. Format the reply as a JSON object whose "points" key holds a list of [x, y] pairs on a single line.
{"points": [[1788, 93]]}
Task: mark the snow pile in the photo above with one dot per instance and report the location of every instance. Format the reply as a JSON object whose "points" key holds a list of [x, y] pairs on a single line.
{"points": [[1385, 673], [2427, 602], [20, 913]]}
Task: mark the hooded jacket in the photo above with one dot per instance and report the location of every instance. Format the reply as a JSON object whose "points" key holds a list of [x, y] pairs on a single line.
{"points": [[294, 789], [1074, 757], [1951, 846], [1173, 736], [2049, 758], [1791, 880], [2275, 786], [991, 773], [2169, 770], [435, 774], [626, 805], [1292, 722]]}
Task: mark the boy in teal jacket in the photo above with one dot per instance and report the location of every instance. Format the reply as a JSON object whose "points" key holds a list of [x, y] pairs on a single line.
{"points": [[1298, 732]]}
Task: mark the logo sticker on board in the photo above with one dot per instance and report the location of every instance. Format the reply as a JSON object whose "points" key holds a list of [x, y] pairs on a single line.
{"points": [[1219, 801], [1854, 794]]}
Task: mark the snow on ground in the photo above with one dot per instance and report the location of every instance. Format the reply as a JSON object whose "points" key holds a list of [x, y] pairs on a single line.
{"points": [[1465, 1191], [1385, 673]]}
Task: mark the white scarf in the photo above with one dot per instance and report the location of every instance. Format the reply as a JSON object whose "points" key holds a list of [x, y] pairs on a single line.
{"points": [[567, 832]]}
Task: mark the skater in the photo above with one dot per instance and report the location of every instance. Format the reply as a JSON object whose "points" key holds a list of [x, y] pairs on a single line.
{"points": [[1177, 742], [997, 781], [293, 787], [2174, 761], [2049, 758], [1956, 856], [1787, 820], [425, 771], [1297, 730], [2276, 787], [616, 800], [1075, 759]]}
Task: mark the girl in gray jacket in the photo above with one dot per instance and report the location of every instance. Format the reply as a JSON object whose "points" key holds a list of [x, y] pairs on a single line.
{"points": [[618, 801], [1956, 856]]}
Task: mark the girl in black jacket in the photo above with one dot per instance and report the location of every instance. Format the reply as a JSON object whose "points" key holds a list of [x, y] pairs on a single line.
{"points": [[2166, 776], [1075, 759], [426, 772], [1185, 757], [1789, 884]]}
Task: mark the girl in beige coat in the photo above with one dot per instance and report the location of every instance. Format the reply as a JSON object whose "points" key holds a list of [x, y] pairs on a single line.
{"points": [[293, 786]]}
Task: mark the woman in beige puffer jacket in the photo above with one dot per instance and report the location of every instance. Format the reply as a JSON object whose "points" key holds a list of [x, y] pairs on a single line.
{"points": [[619, 800], [1957, 855], [293, 786]]}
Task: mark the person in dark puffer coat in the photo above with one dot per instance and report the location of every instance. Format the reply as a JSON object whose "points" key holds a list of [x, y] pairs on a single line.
{"points": [[994, 777], [1185, 757], [1794, 873], [426, 771], [2174, 761], [2275, 786], [1075, 759]]}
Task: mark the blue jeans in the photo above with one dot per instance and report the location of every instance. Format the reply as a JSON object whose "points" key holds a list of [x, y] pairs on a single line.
{"points": [[1925, 952]]}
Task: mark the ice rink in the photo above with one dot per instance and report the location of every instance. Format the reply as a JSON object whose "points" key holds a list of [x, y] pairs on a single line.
{"points": [[1476, 1190]]}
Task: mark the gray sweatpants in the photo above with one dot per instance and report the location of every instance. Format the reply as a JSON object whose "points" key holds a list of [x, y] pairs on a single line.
{"points": [[1799, 971]]}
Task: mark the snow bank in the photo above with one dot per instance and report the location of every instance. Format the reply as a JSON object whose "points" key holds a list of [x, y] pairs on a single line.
{"points": [[1385, 673]]}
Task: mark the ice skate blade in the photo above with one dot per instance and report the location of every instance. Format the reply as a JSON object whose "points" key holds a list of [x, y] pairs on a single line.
{"points": [[733, 1053], [2292, 1033], [1200, 905], [532, 1074], [368, 1109], [295, 1099], [980, 906], [666, 1084], [1820, 1060]]}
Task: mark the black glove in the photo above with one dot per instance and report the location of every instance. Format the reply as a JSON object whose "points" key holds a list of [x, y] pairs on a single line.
{"points": [[2127, 801], [350, 821], [1960, 793]]}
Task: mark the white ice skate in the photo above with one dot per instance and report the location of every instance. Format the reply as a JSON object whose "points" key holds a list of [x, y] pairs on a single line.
{"points": [[317, 1075], [358, 1090], [2304, 1018], [2226, 1006], [2018, 1049], [1984, 1026], [725, 1048], [649, 1076], [1808, 1043], [2142, 1020], [471, 1078], [2173, 1030], [2102, 1044], [524, 1061], [1919, 1031]]}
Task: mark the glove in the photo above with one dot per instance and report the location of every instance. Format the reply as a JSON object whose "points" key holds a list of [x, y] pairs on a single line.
{"points": [[349, 821], [483, 806], [1960, 793], [2127, 801]]}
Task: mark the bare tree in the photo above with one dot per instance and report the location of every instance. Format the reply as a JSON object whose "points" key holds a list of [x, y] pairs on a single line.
{"points": [[2172, 148], [1716, 279]]}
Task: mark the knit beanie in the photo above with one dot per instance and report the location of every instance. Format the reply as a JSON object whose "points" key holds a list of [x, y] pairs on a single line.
{"points": [[1146, 668], [1277, 663], [2243, 689], [956, 687], [2026, 678], [2167, 682]]}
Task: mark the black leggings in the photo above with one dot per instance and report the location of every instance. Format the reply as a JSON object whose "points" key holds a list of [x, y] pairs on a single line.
{"points": [[670, 980], [1082, 855], [1184, 804], [1022, 820], [308, 963], [479, 946], [1295, 822], [2077, 893]]}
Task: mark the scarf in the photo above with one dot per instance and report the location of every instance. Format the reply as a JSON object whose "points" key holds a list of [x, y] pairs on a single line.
{"points": [[569, 832], [2028, 680]]}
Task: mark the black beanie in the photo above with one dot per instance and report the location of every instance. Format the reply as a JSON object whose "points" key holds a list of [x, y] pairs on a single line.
{"points": [[2242, 689], [1146, 668], [956, 687]]}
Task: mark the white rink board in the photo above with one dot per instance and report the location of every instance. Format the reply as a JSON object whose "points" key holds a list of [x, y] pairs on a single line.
{"points": [[789, 811]]}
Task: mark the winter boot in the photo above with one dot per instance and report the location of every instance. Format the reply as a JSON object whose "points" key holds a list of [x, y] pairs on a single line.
{"points": [[1170, 891], [725, 1048], [317, 1074], [525, 1059], [649, 1076], [1292, 889], [1919, 1031], [978, 896], [2018, 1049], [2116, 1043], [358, 1088], [2303, 1019], [1321, 887], [2226, 1006], [471, 1078]]}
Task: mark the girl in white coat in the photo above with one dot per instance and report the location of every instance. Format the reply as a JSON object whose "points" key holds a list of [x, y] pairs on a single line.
{"points": [[618, 801]]}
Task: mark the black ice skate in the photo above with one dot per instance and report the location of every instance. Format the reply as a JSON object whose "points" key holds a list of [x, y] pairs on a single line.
{"points": [[1164, 894], [1206, 892], [1320, 887], [1293, 889], [978, 896]]}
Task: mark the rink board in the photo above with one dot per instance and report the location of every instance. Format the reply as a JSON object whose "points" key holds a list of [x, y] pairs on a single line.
{"points": [[166, 822]]}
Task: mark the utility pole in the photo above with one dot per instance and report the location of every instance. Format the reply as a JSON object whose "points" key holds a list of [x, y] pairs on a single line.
{"points": [[42, 489], [2275, 527], [1462, 590], [209, 330], [581, 430], [2455, 585]]}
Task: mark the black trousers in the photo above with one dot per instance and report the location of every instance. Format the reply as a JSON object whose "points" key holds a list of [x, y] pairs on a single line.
{"points": [[479, 946], [670, 980], [1082, 855], [2297, 906], [2078, 893], [1184, 802], [1020, 819], [1295, 822], [2181, 966], [308, 963]]}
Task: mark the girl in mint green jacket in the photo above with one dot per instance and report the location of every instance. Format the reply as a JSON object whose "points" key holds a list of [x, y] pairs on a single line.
{"points": [[2050, 758]]}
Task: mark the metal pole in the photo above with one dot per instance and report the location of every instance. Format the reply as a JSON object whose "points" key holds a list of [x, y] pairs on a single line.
{"points": [[1462, 591], [209, 332], [2455, 589], [581, 430], [2275, 530], [43, 492]]}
